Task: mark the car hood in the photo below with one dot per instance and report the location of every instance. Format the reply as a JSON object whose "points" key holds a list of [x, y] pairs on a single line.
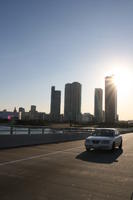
{"points": [[99, 138]]}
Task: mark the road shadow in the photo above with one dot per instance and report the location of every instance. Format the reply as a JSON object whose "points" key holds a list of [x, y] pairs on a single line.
{"points": [[100, 156]]}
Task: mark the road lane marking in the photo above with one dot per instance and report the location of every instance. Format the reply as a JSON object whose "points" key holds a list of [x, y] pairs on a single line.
{"points": [[38, 156]]}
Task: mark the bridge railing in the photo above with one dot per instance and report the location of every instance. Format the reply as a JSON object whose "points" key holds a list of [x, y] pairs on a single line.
{"points": [[41, 131]]}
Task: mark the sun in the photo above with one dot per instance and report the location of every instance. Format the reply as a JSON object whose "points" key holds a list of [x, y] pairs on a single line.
{"points": [[123, 80]]}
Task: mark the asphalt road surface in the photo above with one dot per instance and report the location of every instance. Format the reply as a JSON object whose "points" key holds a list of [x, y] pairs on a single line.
{"points": [[66, 171]]}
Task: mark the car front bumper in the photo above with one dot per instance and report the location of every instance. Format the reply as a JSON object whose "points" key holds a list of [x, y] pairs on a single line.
{"points": [[99, 146]]}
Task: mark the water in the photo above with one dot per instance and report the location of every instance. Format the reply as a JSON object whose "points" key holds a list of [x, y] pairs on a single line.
{"points": [[5, 130]]}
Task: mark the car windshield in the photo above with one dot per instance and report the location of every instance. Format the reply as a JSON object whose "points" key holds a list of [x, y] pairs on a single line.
{"points": [[103, 133]]}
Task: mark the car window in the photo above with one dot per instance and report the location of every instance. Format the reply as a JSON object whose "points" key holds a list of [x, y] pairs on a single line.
{"points": [[103, 133]]}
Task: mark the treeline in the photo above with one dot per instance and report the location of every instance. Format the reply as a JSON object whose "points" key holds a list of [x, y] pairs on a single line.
{"points": [[123, 124]]}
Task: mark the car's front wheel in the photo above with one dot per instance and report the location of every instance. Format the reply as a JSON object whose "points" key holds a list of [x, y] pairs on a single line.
{"points": [[113, 146], [87, 149]]}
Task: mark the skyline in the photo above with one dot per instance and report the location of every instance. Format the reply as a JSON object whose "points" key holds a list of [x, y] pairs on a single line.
{"points": [[55, 103], [45, 43]]}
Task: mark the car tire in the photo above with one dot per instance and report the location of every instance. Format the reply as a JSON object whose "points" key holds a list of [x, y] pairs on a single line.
{"points": [[113, 146], [120, 146], [88, 149]]}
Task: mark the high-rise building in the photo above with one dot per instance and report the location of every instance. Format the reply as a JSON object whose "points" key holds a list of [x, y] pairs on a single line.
{"points": [[110, 100], [33, 108], [21, 109], [55, 104], [98, 102], [33, 114], [72, 104]]}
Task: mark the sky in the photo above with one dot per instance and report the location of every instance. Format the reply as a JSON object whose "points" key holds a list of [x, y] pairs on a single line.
{"points": [[53, 42]]}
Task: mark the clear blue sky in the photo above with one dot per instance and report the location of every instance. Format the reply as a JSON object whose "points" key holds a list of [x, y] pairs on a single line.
{"points": [[52, 42]]}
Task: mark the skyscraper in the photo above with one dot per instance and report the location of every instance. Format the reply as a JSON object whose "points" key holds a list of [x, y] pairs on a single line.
{"points": [[98, 102], [33, 108], [21, 109], [110, 100], [55, 104], [72, 104], [33, 114]]}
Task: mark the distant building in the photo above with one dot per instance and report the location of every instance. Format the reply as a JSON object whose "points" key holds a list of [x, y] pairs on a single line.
{"points": [[46, 117], [110, 100], [15, 110], [87, 117], [21, 109], [40, 116], [55, 104], [72, 104], [24, 116], [33, 108], [98, 102], [8, 115], [61, 118], [43, 116], [33, 114]]}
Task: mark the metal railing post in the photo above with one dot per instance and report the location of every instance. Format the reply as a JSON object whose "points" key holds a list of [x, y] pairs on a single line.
{"points": [[11, 130], [42, 131], [28, 131]]}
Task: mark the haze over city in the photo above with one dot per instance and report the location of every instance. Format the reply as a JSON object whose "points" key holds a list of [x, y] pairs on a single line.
{"points": [[45, 43]]}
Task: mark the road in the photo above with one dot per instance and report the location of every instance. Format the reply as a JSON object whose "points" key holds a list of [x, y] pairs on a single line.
{"points": [[66, 171]]}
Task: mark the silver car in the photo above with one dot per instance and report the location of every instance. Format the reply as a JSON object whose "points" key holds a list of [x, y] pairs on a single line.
{"points": [[104, 138]]}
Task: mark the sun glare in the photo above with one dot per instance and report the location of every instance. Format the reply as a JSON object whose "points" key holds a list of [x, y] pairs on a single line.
{"points": [[123, 80]]}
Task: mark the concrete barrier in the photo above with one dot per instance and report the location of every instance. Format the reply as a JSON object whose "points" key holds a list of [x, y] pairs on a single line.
{"points": [[9, 141]]}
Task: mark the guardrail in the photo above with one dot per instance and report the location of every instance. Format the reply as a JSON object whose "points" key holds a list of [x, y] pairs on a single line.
{"points": [[41, 131], [31, 136]]}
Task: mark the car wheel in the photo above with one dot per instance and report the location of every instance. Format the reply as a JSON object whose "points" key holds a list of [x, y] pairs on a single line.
{"points": [[113, 146], [87, 149], [120, 146]]}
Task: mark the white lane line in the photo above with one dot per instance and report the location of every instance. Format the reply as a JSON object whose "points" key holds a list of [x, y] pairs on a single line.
{"points": [[38, 156]]}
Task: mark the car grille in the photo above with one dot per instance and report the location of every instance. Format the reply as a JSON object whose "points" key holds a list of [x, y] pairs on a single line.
{"points": [[95, 141], [105, 142]]}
